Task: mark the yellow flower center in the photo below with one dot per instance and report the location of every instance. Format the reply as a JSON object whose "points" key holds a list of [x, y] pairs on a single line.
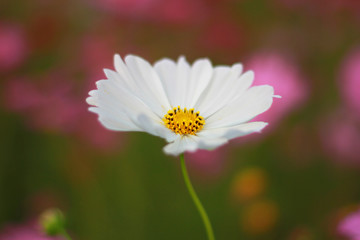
{"points": [[184, 121]]}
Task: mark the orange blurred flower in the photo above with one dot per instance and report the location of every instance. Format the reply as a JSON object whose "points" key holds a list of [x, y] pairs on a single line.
{"points": [[248, 184], [260, 217]]}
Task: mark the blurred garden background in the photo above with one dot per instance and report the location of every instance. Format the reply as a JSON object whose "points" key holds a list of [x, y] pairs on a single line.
{"points": [[295, 181]]}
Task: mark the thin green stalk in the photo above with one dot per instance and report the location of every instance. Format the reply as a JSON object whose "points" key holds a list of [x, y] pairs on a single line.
{"points": [[200, 208]]}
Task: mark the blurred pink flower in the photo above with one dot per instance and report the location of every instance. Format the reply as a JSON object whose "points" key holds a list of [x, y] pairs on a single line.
{"points": [[180, 11], [12, 46], [349, 81], [340, 136], [208, 164], [275, 70], [127, 7], [49, 106], [21, 95], [222, 34], [24, 232], [96, 53], [161, 11], [350, 226], [53, 106], [90, 130]]}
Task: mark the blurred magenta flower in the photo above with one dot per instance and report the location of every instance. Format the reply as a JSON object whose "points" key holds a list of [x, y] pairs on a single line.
{"points": [[28, 231], [340, 137], [349, 81], [12, 46], [277, 71], [350, 226]]}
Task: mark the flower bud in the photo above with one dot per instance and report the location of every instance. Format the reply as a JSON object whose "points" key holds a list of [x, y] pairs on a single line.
{"points": [[52, 222]]}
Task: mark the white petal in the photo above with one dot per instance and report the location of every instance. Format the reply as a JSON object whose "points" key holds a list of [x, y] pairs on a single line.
{"points": [[180, 145], [125, 78], [232, 132], [166, 68], [156, 128], [254, 101], [210, 97], [128, 85], [200, 76], [183, 83], [226, 85], [92, 100], [112, 118], [116, 103], [121, 68], [182, 76], [123, 73], [210, 143], [115, 122], [148, 84], [191, 143], [119, 80]]}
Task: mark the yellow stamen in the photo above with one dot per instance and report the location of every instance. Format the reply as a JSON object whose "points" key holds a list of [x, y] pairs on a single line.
{"points": [[184, 121]]}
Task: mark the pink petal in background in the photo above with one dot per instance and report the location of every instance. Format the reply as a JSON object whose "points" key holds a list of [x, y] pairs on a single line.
{"points": [[350, 226], [349, 81], [28, 231], [288, 82], [13, 47]]}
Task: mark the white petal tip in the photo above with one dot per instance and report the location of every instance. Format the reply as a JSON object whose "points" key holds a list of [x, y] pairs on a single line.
{"points": [[107, 72], [264, 124], [251, 73], [182, 58], [277, 96], [91, 101], [93, 109]]}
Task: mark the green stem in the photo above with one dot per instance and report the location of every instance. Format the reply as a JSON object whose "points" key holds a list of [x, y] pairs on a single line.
{"points": [[200, 208]]}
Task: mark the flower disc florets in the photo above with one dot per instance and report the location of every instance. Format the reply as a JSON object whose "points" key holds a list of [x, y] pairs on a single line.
{"points": [[184, 121]]}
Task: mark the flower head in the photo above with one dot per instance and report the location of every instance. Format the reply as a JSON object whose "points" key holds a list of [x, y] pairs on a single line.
{"points": [[349, 81], [13, 46], [28, 231], [340, 137], [350, 226], [193, 107]]}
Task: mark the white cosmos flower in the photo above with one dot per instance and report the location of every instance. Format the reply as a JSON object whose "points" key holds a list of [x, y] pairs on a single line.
{"points": [[193, 107]]}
